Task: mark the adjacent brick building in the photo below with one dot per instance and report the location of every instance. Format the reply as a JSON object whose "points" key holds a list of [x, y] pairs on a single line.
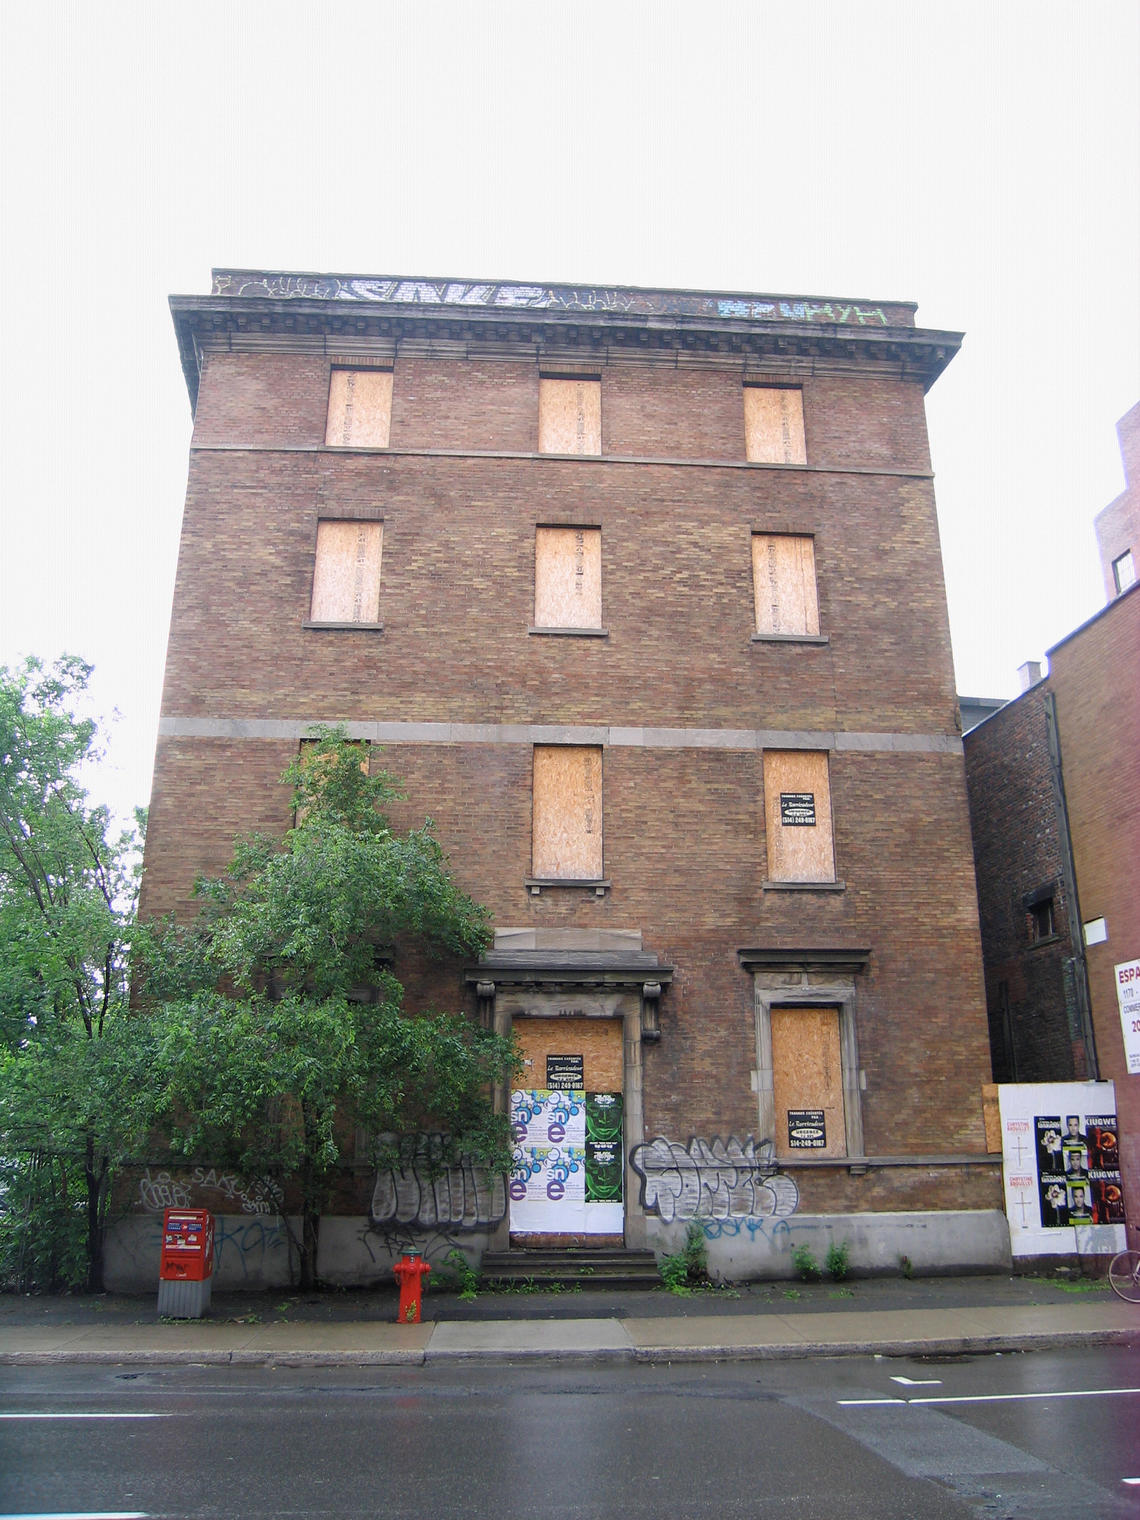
{"points": [[641, 592], [1054, 785]]}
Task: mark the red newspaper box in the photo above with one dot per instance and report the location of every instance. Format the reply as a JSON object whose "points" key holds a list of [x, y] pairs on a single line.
{"points": [[186, 1274]]}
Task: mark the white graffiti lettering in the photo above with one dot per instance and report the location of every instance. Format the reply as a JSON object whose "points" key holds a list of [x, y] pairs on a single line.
{"points": [[419, 1188], [164, 1190], [713, 1179]]}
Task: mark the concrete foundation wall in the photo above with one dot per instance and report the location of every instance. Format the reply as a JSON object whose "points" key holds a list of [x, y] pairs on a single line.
{"points": [[743, 1250]]}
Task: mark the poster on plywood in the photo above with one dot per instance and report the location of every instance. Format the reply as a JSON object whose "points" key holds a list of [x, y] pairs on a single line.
{"points": [[1061, 1168], [567, 1164]]}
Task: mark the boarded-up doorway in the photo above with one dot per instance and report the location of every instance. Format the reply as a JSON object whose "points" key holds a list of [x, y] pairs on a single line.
{"points": [[807, 1079], [567, 1124]]}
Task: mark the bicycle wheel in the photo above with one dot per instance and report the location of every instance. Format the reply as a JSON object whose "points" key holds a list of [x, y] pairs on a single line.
{"points": [[1124, 1276]]}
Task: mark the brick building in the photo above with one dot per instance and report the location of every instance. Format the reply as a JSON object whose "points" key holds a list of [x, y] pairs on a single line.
{"points": [[641, 592], [1054, 789]]}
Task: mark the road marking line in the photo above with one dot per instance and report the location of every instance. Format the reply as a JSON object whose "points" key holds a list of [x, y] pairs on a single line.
{"points": [[918, 1382], [34, 1414], [83, 1514], [988, 1398], [1004, 1398], [856, 1403]]}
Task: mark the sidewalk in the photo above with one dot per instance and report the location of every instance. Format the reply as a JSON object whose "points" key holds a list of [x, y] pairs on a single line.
{"points": [[928, 1316]]}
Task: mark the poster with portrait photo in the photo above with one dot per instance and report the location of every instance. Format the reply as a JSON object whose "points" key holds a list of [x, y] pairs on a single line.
{"points": [[1080, 1202], [1058, 1199], [1050, 1159]]}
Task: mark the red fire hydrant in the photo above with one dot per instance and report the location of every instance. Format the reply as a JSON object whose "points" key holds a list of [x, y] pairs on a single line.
{"points": [[410, 1271]]}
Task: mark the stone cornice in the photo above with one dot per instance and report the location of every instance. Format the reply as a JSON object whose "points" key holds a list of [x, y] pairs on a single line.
{"points": [[758, 334]]}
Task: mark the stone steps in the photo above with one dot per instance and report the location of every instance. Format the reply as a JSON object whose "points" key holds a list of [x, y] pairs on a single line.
{"points": [[577, 1266]]}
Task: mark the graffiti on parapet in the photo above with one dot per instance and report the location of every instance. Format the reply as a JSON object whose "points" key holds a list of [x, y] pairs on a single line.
{"points": [[209, 1187], [417, 1188], [565, 298], [713, 1179]]}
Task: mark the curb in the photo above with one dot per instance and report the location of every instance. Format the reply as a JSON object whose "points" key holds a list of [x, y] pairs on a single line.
{"points": [[948, 1346]]}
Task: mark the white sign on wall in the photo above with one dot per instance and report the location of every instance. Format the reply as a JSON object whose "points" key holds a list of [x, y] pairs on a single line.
{"points": [[1061, 1168], [1128, 995]]}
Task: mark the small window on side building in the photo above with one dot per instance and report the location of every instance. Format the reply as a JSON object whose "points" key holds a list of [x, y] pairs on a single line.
{"points": [[360, 408], [346, 573], [1042, 920], [797, 816], [569, 414], [783, 580], [566, 831], [568, 578], [1123, 571], [774, 425]]}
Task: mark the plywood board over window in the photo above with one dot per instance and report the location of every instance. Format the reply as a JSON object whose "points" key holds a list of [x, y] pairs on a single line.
{"points": [[774, 425], [568, 578], [346, 574], [797, 815], [569, 416], [783, 578], [360, 408], [807, 1080], [566, 835]]}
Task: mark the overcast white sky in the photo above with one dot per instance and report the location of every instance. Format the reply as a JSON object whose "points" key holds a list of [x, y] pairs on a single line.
{"points": [[979, 157]]}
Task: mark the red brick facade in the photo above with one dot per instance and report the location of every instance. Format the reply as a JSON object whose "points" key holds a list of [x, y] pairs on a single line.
{"points": [[678, 695], [1095, 674]]}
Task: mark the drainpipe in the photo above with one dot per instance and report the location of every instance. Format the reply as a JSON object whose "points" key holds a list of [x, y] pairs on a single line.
{"points": [[1069, 878]]}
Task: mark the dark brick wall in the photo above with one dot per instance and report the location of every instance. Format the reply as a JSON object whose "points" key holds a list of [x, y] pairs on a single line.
{"points": [[1017, 852]]}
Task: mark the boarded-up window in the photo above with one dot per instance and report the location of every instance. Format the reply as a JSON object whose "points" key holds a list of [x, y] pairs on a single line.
{"points": [[797, 814], [807, 1081], [360, 408], [569, 416], [346, 576], [783, 578], [568, 578], [566, 834], [774, 425]]}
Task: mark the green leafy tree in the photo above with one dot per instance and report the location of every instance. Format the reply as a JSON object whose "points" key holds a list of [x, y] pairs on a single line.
{"points": [[282, 1022], [73, 1102]]}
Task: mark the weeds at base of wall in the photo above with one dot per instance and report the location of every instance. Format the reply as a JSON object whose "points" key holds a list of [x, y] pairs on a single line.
{"points": [[906, 1267], [687, 1268], [806, 1267], [838, 1260], [455, 1274]]}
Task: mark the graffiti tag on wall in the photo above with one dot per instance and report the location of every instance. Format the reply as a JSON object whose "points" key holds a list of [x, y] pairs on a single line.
{"points": [[713, 1179], [209, 1187], [543, 298], [417, 1189]]}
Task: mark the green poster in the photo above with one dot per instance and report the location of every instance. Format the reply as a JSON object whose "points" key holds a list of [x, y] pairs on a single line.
{"points": [[605, 1161]]}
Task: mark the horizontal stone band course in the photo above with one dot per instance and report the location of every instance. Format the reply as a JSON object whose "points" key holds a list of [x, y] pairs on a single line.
{"points": [[552, 733]]}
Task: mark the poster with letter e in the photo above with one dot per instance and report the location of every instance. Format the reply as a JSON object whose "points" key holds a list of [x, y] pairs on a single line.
{"points": [[1127, 978]]}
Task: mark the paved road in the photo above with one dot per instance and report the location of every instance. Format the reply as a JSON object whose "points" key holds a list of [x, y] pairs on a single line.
{"points": [[1039, 1436]]}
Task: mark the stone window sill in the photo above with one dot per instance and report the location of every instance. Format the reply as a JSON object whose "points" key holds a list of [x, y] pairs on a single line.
{"points": [[367, 627], [791, 638], [536, 885], [574, 633], [803, 886]]}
